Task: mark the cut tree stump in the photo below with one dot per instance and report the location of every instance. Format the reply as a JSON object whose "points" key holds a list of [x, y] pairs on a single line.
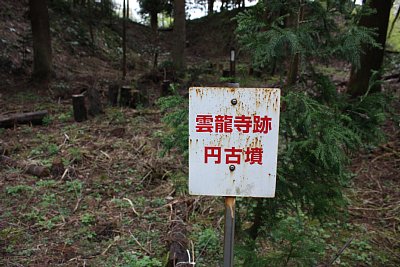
{"points": [[113, 91], [32, 169], [57, 167], [165, 90], [35, 118], [78, 104], [94, 99], [136, 98], [177, 234], [125, 96], [178, 244], [226, 73], [129, 97]]}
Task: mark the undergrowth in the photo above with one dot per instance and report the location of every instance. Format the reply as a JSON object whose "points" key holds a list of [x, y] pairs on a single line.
{"points": [[318, 134]]}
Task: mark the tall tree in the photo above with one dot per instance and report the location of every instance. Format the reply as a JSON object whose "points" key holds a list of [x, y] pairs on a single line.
{"points": [[210, 6], [178, 51], [372, 58], [153, 7], [42, 56], [127, 9], [295, 16], [396, 17], [124, 19]]}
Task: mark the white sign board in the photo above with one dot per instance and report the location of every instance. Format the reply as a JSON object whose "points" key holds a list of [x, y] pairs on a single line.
{"points": [[233, 141]]}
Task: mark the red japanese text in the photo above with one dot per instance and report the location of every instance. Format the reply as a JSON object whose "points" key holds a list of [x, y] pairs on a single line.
{"points": [[207, 123], [233, 155]]}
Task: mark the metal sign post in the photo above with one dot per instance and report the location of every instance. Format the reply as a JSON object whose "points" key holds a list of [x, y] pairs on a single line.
{"points": [[233, 147], [232, 60], [229, 231]]}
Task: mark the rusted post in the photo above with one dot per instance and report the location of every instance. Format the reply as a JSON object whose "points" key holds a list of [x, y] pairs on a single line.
{"points": [[229, 231], [229, 227]]}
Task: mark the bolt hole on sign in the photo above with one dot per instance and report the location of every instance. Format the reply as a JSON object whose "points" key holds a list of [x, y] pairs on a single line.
{"points": [[233, 141]]}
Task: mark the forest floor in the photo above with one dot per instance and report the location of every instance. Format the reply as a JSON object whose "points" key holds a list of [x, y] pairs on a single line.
{"points": [[114, 197]]}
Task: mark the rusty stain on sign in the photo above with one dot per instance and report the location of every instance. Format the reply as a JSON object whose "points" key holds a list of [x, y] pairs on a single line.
{"points": [[233, 127]]}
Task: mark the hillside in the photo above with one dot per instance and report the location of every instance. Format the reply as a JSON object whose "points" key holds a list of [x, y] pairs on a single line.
{"points": [[75, 55]]}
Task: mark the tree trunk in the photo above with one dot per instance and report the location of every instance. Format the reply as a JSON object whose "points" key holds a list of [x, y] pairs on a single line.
{"points": [[210, 6], [123, 41], [127, 10], [257, 221], [178, 51], [39, 16], [293, 70], [372, 58], [90, 22], [154, 21], [224, 5], [293, 21], [110, 12], [394, 21]]}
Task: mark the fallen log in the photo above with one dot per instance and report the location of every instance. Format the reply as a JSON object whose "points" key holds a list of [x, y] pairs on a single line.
{"points": [[35, 118], [33, 169], [392, 76]]}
